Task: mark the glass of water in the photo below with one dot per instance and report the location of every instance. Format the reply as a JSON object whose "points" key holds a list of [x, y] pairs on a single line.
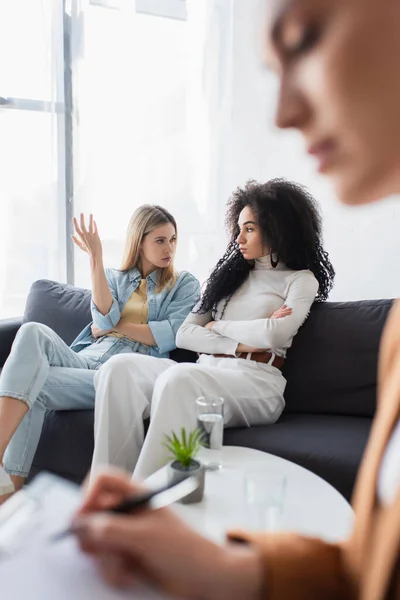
{"points": [[264, 498], [210, 421]]}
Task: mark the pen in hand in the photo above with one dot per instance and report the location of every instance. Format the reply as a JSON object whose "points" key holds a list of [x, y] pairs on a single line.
{"points": [[153, 499]]}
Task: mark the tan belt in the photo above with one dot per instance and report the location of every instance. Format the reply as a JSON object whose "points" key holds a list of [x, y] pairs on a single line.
{"points": [[263, 357]]}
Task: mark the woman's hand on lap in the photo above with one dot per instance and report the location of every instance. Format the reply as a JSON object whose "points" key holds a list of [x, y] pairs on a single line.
{"points": [[96, 332]]}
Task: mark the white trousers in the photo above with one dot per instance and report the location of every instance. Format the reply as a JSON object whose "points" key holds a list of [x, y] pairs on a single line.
{"points": [[130, 388]]}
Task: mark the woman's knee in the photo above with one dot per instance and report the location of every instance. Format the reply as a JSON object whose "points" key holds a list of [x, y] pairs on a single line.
{"points": [[31, 330], [31, 336], [176, 383]]}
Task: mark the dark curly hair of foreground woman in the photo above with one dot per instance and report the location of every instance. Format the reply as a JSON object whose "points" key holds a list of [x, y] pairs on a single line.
{"points": [[292, 228]]}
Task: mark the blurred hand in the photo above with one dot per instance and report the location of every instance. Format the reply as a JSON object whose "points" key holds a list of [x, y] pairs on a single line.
{"points": [[282, 312], [159, 546], [88, 240], [210, 325]]}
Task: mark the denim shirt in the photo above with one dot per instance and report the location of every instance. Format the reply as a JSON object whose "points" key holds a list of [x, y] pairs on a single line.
{"points": [[167, 309]]}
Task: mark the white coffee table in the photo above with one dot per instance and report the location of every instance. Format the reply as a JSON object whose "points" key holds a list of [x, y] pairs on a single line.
{"points": [[311, 507]]}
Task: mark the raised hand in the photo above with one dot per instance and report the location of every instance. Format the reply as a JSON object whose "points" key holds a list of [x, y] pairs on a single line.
{"points": [[87, 239], [282, 312]]}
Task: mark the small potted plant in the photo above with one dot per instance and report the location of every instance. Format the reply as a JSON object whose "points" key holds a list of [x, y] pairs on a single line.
{"points": [[183, 464]]}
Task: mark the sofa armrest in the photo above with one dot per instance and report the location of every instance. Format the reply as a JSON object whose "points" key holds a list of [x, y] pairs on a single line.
{"points": [[8, 329]]}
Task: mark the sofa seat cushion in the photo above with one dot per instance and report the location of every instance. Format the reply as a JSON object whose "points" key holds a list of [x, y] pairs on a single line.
{"points": [[330, 446]]}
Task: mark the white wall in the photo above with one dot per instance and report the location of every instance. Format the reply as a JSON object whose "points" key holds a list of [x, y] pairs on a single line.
{"points": [[364, 242]]}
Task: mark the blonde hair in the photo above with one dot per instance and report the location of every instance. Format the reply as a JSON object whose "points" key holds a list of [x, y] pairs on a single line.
{"points": [[145, 219]]}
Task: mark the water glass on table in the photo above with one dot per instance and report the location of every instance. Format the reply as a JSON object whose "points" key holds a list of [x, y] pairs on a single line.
{"points": [[264, 498], [210, 421]]}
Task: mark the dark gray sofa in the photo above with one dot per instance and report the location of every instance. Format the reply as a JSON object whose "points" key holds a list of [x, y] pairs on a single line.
{"points": [[330, 395]]}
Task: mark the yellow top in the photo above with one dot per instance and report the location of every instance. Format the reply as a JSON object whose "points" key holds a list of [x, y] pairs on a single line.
{"points": [[136, 309]]}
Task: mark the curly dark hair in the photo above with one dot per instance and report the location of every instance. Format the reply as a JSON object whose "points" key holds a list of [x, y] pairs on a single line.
{"points": [[291, 223]]}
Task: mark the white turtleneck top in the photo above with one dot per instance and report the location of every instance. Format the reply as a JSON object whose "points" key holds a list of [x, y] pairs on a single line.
{"points": [[247, 316]]}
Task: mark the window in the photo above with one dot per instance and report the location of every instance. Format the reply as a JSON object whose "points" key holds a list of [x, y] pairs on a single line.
{"points": [[127, 146], [32, 190], [94, 118]]}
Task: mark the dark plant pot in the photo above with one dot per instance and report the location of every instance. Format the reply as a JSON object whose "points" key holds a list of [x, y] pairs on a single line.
{"points": [[177, 472]]}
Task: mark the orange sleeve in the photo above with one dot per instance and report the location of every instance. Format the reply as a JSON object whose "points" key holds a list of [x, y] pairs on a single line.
{"points": [[299, 568], [389, 347]]}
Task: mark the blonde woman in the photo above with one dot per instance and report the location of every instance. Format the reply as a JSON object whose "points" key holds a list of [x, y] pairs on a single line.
{"points": [[137, 309]]}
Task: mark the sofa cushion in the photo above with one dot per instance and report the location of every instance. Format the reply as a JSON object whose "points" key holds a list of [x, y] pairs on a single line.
{"points": [[329, 446], [332, 365], [63, 307]]}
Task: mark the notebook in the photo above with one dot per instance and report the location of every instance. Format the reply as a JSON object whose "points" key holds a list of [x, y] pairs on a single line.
{"points": [[34, 567]]}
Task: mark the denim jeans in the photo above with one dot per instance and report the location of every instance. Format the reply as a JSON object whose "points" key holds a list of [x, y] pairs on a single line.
{"points": [[45, 373]]}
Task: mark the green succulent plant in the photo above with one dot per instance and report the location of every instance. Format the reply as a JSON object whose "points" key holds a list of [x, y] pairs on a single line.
{"points": [[185, 448]]}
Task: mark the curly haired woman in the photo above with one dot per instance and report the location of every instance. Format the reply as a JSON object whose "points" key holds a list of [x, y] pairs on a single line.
{"points": [[254, 302]]}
